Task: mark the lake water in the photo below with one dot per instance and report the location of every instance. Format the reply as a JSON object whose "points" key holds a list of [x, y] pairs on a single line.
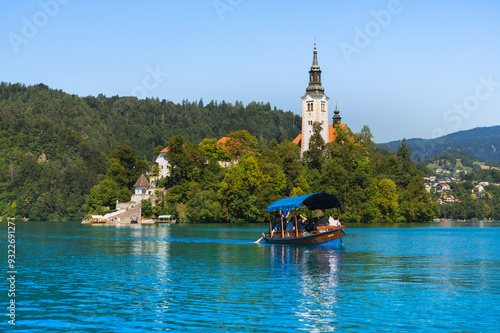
{"points": [[213, 278]]}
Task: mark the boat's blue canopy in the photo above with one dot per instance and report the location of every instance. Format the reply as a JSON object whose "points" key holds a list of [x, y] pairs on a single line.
{"points": [[313, 201]]}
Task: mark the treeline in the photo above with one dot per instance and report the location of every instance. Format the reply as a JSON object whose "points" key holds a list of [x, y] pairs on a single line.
{"points": [[109, 122], [451, 158], [375, 185], [54, 146]]}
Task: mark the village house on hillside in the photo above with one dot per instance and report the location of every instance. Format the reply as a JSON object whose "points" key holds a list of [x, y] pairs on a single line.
{"points": [[163, 170], [447, 198], [142, 190], [222, 143]]}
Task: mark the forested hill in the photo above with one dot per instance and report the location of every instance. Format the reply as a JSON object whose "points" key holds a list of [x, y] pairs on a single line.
{"points": [[451, 157], [108, 122], [54, 146], [481, 142]]}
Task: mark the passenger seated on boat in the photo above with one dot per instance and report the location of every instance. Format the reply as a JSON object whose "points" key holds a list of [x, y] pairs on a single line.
{"points": [[290, 226], [322, 222], [300, 222], [277, 225], [311, 224], [334, 221], [337, 220]]}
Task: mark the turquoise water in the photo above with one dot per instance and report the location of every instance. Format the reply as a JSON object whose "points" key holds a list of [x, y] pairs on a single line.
{"points": [[213, 278]]}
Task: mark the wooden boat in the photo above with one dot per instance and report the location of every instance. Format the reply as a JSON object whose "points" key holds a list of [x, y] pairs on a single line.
{"points": [[93, 219], [165, 219], [320, 235]]}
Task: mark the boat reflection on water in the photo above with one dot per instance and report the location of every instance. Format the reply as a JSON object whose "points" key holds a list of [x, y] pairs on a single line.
{"points": [[312, 260], [312, 274]]}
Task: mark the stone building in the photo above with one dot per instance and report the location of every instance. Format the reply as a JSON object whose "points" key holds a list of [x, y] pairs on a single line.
{"points": [[142, 190]]}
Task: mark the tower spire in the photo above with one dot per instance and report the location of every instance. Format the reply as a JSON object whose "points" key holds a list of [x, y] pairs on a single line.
{"points": [[336, 117], [315, 58], [315, 75]]}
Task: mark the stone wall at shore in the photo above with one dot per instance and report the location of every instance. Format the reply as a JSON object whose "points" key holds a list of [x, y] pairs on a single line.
{"points": [[125, 205], [123, 215]]}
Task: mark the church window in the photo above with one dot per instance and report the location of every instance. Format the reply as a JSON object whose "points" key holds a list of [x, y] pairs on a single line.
{"points": [[310, 106], [323, 106]]}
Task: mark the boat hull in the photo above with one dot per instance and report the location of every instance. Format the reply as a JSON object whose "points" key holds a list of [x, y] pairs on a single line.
{"points": [[328, 236]]}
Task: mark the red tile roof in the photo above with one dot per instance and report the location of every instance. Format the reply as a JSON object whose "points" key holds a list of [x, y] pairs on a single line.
{"points": [[297, 139], [142, 182], [331, 134]]}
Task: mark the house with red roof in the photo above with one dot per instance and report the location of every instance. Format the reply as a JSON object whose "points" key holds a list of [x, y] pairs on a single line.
{"points": [[163, 170]]}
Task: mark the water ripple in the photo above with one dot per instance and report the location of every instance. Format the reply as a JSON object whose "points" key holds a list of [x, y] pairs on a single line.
{"points": [[75, 278]]}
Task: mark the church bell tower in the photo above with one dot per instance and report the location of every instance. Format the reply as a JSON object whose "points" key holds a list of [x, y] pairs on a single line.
{"points": [[314, 106]]}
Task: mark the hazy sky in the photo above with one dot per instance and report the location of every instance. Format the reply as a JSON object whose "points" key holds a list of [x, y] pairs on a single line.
{"points": [[404, 68]]}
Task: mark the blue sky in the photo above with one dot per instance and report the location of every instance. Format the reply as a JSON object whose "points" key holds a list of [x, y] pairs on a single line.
{"points": [[404, 68]]}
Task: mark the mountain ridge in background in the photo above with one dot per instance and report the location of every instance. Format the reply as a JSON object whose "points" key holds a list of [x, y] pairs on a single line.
{"points": [[481, 142]]}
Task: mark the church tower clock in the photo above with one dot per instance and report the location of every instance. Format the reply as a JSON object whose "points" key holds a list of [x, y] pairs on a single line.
{"points": [[314, 106]]}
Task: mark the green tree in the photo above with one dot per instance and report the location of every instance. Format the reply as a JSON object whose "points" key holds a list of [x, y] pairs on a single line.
{"points": [[214, 149], [203, 206], [185, 160], [132, 165], [406, 165], [365, 138], [388, 200], [241, 143], [104, 195], [238, 192], [315, 153], [146, 209]]}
